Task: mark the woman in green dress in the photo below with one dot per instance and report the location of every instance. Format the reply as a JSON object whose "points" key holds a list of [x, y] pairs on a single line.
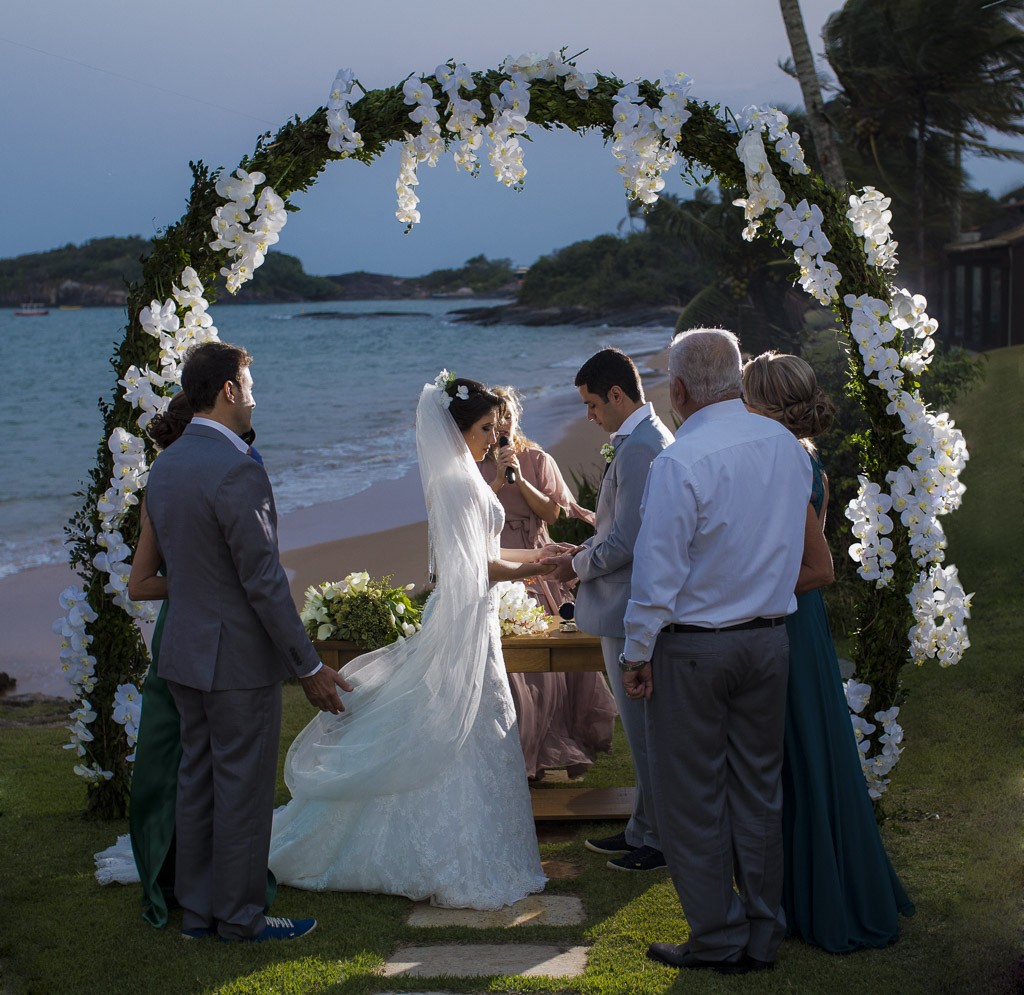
{"points": [[158, 746], [840, 891]]}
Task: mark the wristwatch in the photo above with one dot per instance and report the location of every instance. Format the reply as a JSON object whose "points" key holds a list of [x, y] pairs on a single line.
{"points": [[627, 668]]}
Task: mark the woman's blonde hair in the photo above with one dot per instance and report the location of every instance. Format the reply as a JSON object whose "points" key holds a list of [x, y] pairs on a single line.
{"points": [[784, 388], [511, 405]]}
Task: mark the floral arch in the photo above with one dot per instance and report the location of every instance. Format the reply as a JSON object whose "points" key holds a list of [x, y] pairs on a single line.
{"points": [[912, 607]]}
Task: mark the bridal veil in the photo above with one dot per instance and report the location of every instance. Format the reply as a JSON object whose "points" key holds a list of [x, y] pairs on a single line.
{"points": [[414, 702]]}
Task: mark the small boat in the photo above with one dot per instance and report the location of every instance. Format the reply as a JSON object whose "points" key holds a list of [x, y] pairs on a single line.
{"points": [[32, 310]]}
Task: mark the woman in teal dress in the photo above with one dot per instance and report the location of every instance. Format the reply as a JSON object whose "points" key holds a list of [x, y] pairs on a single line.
{"points": [[840, 891], [151, 807]]}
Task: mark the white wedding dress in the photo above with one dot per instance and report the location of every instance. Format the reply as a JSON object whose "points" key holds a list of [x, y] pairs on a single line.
{"points": [[419, 788]]}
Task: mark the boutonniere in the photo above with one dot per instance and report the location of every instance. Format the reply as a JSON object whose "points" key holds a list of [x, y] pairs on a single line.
{"points": [[608, 452]]}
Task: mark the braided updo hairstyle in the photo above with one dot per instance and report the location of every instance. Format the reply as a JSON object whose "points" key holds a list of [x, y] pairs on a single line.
{"points": [[784, 387], [469, 410], [166, 427]]}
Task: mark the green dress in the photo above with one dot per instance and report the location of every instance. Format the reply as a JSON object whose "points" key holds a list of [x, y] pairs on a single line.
{"points": [[153, 791], [840, 891], [154, 786]]}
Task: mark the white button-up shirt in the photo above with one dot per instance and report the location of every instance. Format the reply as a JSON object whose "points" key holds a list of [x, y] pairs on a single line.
{"points": [[631, 422], [722, 530], [235, 440]]}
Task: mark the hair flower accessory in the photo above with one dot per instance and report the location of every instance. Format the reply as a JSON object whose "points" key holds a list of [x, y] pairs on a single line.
{"points": [[608, 452], [442, 382], [462, 393]]}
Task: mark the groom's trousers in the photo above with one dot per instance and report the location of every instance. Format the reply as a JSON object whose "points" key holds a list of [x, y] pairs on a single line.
{"points": [[225, 806], [717, 716], [642, 828]]}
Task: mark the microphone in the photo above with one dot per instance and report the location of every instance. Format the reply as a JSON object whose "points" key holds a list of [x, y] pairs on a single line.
{"points": [[510, 474]]}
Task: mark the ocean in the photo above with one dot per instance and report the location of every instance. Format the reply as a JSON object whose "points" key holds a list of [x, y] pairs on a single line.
{"points": [[335, 397]]}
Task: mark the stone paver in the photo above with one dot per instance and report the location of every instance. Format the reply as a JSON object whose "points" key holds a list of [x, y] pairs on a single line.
{"points": [[534, 910], [559, 870], [468, 960]]}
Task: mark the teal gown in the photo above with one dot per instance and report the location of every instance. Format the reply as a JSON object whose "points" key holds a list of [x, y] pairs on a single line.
{"points": [[839, 891], [154, 786]]}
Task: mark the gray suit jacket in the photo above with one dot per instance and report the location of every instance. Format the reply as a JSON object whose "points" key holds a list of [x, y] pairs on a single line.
{"points": [[605, 564], [231, 622]]}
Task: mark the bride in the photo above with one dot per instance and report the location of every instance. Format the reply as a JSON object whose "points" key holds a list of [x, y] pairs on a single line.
{"points": [[418, 788]]}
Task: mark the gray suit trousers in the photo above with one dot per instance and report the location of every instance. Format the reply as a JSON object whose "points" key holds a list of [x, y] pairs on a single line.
{"points": [[717, 716], [642, 828], [225, 805]]}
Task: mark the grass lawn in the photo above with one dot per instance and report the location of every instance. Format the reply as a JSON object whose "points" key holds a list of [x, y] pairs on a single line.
{"points": [[954, 832]]}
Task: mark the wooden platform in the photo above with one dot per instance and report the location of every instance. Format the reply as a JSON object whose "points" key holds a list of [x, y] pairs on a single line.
{"points": [[587, 804]]}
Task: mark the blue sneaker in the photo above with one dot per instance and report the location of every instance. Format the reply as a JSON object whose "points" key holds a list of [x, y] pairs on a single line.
{"points": [[278, 928]]}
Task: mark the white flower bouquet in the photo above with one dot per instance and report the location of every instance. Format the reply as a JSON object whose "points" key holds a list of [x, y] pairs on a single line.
{"points": [[370, 613], [518, 613]]}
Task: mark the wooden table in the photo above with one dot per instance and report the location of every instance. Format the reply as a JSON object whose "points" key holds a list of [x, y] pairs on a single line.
{"points": [[556, 652]]}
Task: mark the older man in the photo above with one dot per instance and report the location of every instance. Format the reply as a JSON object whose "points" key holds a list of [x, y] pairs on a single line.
{"points": [[714, 569]]}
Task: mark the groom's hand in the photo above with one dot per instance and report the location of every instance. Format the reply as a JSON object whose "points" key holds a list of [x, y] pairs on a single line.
{"points": [[322, 689], [561, 567]]}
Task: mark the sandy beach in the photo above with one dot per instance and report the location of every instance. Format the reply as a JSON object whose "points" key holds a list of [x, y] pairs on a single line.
{"points": [[381, 530]]}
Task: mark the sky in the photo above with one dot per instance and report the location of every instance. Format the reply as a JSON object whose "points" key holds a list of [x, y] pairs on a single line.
{"points": [[104, 103]]}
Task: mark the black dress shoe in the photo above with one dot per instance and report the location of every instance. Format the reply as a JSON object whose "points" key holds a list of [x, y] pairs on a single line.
{"points": [[612, 845], [678, 955]]}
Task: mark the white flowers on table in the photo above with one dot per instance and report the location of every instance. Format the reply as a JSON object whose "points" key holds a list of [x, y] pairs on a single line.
{"points": [[518, 613]]}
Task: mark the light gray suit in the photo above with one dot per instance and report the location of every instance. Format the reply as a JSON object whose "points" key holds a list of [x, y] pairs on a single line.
{"points": [[605, 566], [231, 636]]}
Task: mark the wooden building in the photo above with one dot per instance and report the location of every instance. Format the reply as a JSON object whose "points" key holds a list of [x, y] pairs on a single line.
{"points": [[984, 293]]}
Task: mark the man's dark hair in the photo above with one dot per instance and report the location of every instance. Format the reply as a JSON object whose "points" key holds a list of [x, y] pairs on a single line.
{"points": [[610, 368], [207, 368], [479, 403]]}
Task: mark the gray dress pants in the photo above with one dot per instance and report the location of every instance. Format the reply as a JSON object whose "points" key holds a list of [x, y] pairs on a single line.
{"points": [[642, 828], [225, 806], [717, 715]]}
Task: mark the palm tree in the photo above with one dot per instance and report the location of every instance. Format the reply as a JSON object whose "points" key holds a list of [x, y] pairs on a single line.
{"points": [[932, 79], [807, 76], [751, 289]]}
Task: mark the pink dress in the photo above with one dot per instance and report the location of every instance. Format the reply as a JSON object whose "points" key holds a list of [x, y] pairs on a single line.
{"points": [[564, 719]]}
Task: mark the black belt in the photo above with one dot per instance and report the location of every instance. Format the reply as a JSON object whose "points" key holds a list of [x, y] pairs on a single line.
{"points": [[754, 623]]}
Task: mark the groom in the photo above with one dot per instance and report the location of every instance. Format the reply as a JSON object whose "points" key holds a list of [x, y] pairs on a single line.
{"points": [[231, 636], [609, 385]]}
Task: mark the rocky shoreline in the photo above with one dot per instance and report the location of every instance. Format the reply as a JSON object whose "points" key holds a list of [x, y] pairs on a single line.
{"points": [[644, 316]]}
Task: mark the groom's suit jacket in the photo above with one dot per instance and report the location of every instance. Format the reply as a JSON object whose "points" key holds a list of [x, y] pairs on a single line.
{"points": [[231, 622], [605, 564]]}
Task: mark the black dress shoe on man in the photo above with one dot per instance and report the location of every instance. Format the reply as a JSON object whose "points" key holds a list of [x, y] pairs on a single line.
{"points": [[612, 845], [678, 955], [645, 858]]}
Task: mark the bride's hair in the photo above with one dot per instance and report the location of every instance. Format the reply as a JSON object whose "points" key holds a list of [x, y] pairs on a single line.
{"points": [[477, 401]]}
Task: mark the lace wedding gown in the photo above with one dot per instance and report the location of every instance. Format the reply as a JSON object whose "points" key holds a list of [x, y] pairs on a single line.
{"points": [[419, 789]]}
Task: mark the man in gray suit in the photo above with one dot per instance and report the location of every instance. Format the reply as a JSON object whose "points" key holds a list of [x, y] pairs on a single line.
{"points": [[610, 387], [231, 636]]}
